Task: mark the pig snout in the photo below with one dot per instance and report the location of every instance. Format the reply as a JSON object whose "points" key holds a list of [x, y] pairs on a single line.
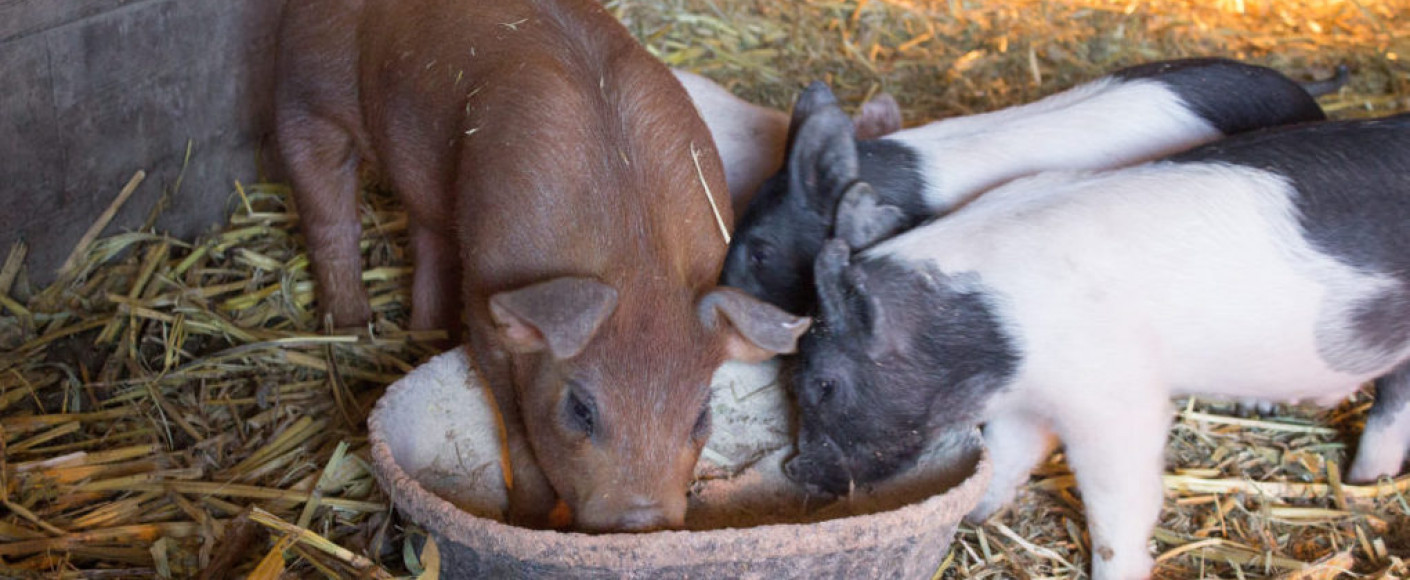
{"points": [[643, 519], [646, 515], [634, 513], [819, 468]]}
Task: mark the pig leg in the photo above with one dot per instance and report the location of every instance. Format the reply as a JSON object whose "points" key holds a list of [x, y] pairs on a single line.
{"points": [[1115, 449], [1387, 433], [322, 163], [1016, 444], [435, 287]]}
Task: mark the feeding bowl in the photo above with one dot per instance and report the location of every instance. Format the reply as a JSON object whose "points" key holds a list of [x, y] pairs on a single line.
{"points": [[435, 451]]}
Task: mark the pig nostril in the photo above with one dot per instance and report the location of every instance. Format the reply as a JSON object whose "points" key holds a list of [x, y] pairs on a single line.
{"points": [[803, 473], [643, 519], [791, 470], [643, 502]]}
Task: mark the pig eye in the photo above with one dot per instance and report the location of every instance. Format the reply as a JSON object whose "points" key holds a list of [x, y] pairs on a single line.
{"points": [[758, 255], [579, 413], [701, 430]]}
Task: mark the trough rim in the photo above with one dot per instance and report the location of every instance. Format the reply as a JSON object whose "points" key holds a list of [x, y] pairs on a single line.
{"points": [[666, 548]]}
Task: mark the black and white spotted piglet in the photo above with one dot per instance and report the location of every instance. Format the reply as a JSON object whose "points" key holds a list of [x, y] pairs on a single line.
{"points": [[1132, 115], [1271, 266]]}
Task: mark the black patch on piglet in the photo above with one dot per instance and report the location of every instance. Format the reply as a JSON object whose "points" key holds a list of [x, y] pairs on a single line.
{"points": [[1392, 394], [1234, 97], [769, 253], [1352, 180], [772, 250], [782, 230], [895, 354], [1383, 321], [862, 219], [1352, 184], [893, 170]]}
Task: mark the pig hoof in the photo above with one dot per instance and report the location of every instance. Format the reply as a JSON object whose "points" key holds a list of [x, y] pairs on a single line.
{"points": [[1108, 564], [1367, 470], [1255, 408], [982, 512], [993, 501], [354, 313]]}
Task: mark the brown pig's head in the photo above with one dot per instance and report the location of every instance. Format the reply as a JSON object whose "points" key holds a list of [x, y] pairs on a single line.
{"points": [[614, 386]]}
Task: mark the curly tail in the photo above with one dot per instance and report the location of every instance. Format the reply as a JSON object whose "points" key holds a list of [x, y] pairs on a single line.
{"points": [[1332, 85]]}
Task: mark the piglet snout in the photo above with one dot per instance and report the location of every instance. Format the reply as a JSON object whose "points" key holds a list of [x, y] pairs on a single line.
{"points": [[643, 519], [793, 470], [642, 514], [632, 514], [813, 478]]}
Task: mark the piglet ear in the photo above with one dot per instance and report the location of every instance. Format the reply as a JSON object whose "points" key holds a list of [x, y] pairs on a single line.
{"points": [[878, 117], [835, 280], [753, 330], [823, 159], [828, 270], [862, 220], [815, 97], [561, 315], [883, 337]]}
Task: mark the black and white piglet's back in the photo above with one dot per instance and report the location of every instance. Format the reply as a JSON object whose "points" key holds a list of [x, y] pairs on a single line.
{"points": [[1350, 181], [1129, 116], [1232, 96], [1350, 177]]}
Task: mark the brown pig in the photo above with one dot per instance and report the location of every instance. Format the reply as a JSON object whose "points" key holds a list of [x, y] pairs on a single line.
{"points": [[560, 189]]}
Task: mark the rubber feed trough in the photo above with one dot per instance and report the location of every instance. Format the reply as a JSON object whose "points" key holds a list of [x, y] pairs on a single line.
{"points": [[435, 451]]}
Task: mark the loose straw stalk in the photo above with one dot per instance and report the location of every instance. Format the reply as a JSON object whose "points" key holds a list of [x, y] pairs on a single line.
{"points": [[308, 538], [709, 195], [101, 223]]}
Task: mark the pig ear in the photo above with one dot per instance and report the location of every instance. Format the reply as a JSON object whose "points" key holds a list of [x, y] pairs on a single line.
{"points": [[828, 270], [754, 330], [882, 338], [833, 276], [862, 220], [816, 97], [878, 117], [561, 315], [823, 159]]}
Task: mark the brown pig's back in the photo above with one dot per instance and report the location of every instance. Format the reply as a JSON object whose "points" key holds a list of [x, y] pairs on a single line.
{"points": [[538, 132]]}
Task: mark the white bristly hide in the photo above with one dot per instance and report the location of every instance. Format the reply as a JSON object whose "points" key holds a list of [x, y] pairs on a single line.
{"points": [[1106, 123]]}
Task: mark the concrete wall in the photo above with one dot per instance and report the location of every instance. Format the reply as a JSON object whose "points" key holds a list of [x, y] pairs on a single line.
{"points": [[95, 90]]}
